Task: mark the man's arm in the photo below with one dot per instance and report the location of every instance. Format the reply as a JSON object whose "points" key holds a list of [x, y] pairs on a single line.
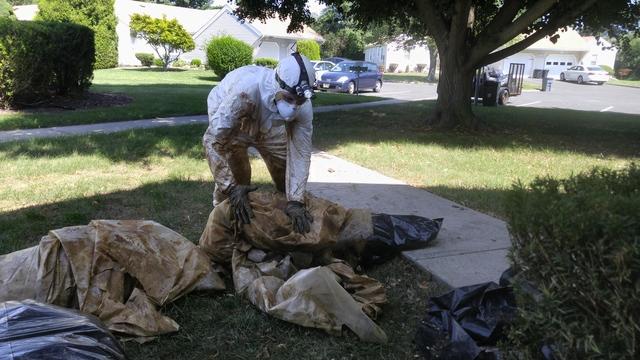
{"points": [[299, 146]]}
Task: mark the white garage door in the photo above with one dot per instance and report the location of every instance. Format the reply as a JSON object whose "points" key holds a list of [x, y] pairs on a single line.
{"points": [[268, 50], [557, 63], [525, 59]]}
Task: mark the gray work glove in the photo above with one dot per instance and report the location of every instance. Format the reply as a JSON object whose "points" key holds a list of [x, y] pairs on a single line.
{"points": [[300, 217], [239, 200]]}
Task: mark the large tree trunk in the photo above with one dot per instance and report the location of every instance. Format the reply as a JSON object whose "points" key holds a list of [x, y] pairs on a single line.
{"points": [[453, 107]]}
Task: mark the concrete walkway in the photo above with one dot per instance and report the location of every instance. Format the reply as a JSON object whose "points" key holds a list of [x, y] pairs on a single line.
{"points": [[111, 127], [471, 247]]}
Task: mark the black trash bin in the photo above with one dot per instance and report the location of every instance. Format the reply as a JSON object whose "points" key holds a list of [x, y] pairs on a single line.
{"points": [[490, 93], [546, 84], [537, 73]]}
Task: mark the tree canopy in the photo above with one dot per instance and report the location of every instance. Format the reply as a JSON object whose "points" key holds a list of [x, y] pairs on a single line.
{"points": [[468, 33], [6, 10], [194, 4], [167, 37]]}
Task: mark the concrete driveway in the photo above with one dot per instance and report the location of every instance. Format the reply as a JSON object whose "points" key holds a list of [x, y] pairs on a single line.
{"points": [[563, 95]]}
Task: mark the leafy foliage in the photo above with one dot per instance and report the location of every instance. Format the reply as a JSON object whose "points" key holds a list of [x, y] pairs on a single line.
{"points": [[629, 56], [578, 241], [167, 37], [41, 59], [309, 48], [196, 62], [96, 14], [195, 4], [267, 62], [146, 59], [226, 53], [6, 10]]}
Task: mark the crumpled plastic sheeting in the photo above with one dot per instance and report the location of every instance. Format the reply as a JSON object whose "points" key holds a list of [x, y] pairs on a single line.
{"points": [[31, 330], [466, 323], [295, 277], [119, 271]]}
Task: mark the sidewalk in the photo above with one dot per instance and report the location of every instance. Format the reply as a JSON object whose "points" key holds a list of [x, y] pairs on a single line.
{"points": [[471, 247], [111, 127]]}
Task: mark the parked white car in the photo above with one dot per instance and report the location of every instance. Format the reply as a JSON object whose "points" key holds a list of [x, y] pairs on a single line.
{"points": [[321, 67], [583, 74]]}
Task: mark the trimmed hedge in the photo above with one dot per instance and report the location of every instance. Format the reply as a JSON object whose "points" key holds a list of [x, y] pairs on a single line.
{"points": [[146, 59], [578, 241], [99, 15], [196, 63], [309, 48], [41, 59], [226, 53], [267, 62]]}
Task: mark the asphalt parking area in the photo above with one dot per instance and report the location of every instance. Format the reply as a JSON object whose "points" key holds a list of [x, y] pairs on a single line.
{"points": [[563, 95], [587, 97]]}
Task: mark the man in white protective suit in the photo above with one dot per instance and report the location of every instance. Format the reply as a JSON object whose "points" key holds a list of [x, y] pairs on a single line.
{"points": [[269, 110]]}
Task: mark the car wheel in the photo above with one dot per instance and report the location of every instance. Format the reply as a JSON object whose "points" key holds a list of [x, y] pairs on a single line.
{"points": [[600, 82], [580, 79], [562, 78], [351, 88], [503, 98], [378, 86]]}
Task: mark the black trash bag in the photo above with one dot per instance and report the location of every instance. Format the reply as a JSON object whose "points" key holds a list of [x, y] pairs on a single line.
{"points": [[31, 330], [395, 233], [466, 323]]}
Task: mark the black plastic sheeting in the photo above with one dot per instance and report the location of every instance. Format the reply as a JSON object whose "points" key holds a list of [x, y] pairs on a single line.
{"points": [[395, 233], [31, 330], [466, 323]]}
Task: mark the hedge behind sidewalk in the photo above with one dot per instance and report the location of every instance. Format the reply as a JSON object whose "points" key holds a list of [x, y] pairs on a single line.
{"points": [[578, 241], [42, 59]]}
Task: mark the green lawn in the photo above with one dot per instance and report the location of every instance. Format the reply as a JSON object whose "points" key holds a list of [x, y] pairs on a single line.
{"points": [[155, 94], [161, 174], [631, 83], [476, 170]]}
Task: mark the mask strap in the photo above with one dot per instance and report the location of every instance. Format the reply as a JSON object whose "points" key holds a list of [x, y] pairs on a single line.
{"points": [[304, 76]]}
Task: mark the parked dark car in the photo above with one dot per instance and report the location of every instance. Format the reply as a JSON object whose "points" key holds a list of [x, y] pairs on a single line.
{"points": [[336, 59], [352, 76]]}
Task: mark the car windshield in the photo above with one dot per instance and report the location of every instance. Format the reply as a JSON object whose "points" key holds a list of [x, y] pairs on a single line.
{"points": [[343, 67], [594, 68]]}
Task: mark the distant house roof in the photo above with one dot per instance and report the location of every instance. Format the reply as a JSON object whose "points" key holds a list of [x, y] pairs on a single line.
{"points": [[275, 27], [191, 19], [569, 40], [25, 12]]}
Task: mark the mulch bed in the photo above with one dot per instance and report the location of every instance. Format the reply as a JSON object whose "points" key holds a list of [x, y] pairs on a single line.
{"points": [[60, 103]]}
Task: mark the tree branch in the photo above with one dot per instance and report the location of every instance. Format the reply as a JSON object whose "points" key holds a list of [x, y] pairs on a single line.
{"points": [[551, 27], [503, 18], [432, 19], [460, 23]]}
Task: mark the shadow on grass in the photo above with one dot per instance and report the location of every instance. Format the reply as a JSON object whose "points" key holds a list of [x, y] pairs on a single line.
{"points": [[130, 146], [591, 133], [153, 69], [209, 78]]}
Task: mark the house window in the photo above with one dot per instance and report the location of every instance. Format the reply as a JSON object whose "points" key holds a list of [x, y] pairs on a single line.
{"points": [[555, 63], [562, 62], [569, 63], [548, 62], [594, 59]]}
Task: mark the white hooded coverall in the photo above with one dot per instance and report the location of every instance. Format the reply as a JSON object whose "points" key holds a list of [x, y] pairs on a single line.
{"points": [[243, 113]]}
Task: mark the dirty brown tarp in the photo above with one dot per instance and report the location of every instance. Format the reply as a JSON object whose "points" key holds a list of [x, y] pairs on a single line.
{"points": [[119, 271], [296, 277]]}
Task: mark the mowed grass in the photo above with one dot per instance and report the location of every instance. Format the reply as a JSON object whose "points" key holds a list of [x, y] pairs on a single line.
{"points": [[631, 83], [154, 93], [162, 175], [477, 169], [410, 77]]}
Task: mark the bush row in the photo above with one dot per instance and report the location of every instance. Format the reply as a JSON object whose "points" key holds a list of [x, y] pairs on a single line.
{"points": [[578, 241], [40, 59]]}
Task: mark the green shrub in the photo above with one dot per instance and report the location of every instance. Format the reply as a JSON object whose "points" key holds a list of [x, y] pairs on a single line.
{"points": [[146, 59], [608, 69], [40, 59], [578, 241], [158, 62], [225, 54], [267, 62], [196, 63], [309, 48], [98, 15], [179, 63], [6, 10]]}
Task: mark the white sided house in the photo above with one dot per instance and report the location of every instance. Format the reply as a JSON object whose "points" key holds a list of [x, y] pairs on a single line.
{"points": [[269, 39], [394, 57], [570, 49]]}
